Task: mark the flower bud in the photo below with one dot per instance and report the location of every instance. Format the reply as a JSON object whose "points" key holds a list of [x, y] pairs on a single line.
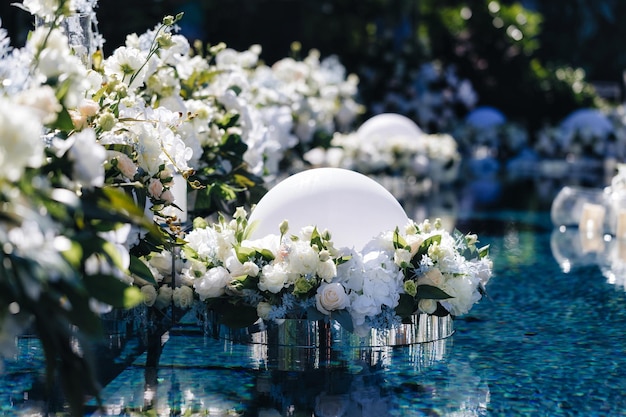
{"points": [[410, 287], [284, 226]]}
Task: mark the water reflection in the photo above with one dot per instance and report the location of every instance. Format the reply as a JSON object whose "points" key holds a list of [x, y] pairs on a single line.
{"points": [[411, 380]]}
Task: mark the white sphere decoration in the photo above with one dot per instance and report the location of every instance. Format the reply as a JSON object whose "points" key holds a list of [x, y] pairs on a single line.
{"points": [[351, 206], [485, 117], [388, 125], [593, 121]]}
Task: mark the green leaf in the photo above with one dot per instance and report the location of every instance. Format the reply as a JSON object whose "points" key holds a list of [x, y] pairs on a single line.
{"points": [[441, 311], [247, 282], [132, 297], [120, 147], [313, 314], [266, 254], [64, 121], [316, 239], [226, 192], [113, 254], [229, 120], [235, 316], [343, 259], [398, 241], [121, 202], [344, 318], [423, 249], [74, 254], [244, 181], [406, 306], [431, 292], [483, 252], [245, 254], [140, 269], [112, 291]]}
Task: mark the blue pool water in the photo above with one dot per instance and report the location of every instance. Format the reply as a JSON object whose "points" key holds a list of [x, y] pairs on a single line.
{"points": [[545, 343]]}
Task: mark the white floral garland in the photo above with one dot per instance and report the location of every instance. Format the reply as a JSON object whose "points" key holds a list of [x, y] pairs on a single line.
{"points": [[420, 268]]}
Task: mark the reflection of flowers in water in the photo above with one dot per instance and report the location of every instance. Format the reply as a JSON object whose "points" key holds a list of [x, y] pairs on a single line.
{"points": [[326, 393], [450, 387], [331, 405]]}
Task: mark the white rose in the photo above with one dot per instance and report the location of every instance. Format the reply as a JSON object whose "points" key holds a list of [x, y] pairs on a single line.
{"points": [[263, 310], [183, 297], [433, 277], [442, 253], [327, 270], [303, 259], [165, 296], [401, 256], [213, 283], [204, 242], [149, 295], [331, 297], [162, 261], [427, 306], [273, 278]]}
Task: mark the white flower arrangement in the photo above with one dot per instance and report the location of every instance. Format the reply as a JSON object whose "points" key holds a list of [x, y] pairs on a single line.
{"points": [[432, 156], [420, 268]]}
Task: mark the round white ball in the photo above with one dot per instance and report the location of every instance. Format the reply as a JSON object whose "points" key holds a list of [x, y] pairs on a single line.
{"points": [[388, 125], [351, 206]]}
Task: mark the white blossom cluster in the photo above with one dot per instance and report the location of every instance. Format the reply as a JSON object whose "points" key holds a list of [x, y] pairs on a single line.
{"points": [[305, 276], [280, 106], [433, 156]]}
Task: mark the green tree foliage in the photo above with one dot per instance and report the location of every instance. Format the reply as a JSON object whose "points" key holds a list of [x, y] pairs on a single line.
{"points": [[497, 47]]}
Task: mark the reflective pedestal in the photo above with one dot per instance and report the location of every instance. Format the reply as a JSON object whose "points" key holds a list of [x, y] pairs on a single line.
{"points": [[300, 345]]}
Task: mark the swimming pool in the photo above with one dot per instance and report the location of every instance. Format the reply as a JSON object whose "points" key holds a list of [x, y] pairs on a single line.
{"points": [[545, 343]]}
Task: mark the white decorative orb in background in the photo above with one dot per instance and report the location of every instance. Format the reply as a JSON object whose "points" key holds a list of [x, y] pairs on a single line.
{"points": [[485, 117], [387, 125], [353, 207], [593, 121]]}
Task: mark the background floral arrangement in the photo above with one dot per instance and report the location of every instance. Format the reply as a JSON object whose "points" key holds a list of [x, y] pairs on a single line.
{"points": [[432, 157], [420, 268]]}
